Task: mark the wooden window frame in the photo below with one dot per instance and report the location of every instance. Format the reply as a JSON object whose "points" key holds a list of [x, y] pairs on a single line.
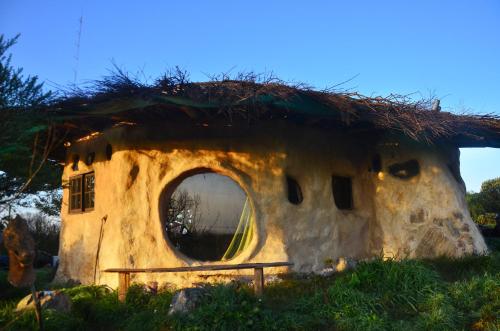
{"points": [[82, 193]]}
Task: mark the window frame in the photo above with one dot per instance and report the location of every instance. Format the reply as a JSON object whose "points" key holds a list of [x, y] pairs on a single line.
{"points": [[82, 192]]}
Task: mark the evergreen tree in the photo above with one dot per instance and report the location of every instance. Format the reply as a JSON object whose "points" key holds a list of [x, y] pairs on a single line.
{"points": [[24, 134], [15, 90]]}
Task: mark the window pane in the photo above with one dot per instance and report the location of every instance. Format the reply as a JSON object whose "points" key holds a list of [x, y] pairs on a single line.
{"points": [[89, 183], [209, 218], [75, 202], [89, 200], [75, 185]]}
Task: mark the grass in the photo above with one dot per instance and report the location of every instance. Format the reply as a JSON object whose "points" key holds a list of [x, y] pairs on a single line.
{"points": [[439, 294]]}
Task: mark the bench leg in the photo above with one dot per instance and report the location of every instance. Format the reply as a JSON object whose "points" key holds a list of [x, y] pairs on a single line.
{"points": [[123, 285], [258, 281]]}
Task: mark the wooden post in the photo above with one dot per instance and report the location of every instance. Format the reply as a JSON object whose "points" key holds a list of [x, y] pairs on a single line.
{"points": [[38, 307], [258, 281], [123, 285]]}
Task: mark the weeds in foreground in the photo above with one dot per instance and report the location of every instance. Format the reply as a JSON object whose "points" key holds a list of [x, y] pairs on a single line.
{"points": [[442, 294]]}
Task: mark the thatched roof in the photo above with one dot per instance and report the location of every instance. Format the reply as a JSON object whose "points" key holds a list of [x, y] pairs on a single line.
{"points": [[249, 99]]}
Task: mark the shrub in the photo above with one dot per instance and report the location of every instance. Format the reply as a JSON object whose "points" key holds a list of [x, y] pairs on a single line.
{"points": [[479, 299], [224, 308], [439, 294]]}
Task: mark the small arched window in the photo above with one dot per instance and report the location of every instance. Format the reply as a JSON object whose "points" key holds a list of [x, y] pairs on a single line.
{"points": [[294, 191], [342, 192]]}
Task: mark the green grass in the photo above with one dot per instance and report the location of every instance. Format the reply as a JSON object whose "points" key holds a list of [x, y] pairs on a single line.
{"points": [[440, 294]]}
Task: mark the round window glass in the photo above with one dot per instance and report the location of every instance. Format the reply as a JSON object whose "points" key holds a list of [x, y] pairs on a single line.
{"points": [[209, 217]]}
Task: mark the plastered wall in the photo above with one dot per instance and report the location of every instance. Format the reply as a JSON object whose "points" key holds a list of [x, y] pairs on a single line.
{"points": [[425, 215]]}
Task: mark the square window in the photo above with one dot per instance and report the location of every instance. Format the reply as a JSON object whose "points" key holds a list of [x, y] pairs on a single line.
{"points": [[81, 193]]}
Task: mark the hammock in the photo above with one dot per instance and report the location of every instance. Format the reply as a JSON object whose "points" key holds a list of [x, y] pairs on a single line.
{"points": [[243, 234]]}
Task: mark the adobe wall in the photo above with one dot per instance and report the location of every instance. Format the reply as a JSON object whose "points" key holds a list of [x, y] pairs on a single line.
{"points": [[422, 216], [426, 215]]}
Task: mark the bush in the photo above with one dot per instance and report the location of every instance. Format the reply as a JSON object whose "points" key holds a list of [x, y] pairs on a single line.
{"points": [[479, 299], [224, 308]]}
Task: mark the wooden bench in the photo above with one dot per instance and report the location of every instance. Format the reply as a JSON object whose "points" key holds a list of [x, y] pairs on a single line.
{"points": [[124, 273]]}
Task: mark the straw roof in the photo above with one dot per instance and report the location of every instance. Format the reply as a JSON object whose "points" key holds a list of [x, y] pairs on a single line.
{"points": [[248, 99]]}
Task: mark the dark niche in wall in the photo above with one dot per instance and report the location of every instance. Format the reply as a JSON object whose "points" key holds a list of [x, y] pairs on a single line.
{"points": [[75, 160], [405, 170], [376, 165], [89, 159], [132, 176], [109, 152], [342, 192], [294, 191]]}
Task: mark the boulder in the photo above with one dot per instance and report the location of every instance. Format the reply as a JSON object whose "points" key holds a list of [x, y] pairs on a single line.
{"points": [[48, 300], [339, 265], [186, 300]]}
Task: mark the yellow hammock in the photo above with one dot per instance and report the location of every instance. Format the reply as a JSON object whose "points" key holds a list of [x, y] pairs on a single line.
{"points": [[243, 235]]}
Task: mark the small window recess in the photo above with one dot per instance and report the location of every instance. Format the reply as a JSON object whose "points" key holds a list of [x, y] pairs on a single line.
{"points": [[376, 165], [82, 193], [89, 159], [294, 192], [342, 192], [75, 160], [109, 152], [405, 170]]}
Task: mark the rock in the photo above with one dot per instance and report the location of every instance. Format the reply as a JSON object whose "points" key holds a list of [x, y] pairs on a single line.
{"points": [[327, 271], [186, 300], [345, 263], [273, 279], [152, 288], [339, 265], [48, 300]]}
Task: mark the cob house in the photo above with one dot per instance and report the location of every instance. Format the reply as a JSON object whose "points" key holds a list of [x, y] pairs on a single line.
{"points": [[234, 171]]}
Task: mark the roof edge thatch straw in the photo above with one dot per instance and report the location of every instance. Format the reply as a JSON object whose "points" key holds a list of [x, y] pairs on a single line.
{"points": [[250, 98]]}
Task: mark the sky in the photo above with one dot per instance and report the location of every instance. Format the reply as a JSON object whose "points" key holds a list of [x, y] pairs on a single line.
{"points": [[221, 201], [449, 49]]}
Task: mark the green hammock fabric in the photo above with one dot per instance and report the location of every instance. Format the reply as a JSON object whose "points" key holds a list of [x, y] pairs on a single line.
{"points": [[243, 234]]}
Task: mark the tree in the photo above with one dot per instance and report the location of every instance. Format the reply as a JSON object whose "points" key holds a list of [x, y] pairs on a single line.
{"points": [[183, 213], [485, 204], [15, 90], [475, 204], [25, 135], [490, 192]]}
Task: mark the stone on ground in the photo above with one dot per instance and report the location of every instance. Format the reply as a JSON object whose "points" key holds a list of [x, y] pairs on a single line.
{"points": [[186, 300], [48, 300]]}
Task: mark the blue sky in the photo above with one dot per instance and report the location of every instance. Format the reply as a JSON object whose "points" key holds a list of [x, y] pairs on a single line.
{"points": [[450, 49]]}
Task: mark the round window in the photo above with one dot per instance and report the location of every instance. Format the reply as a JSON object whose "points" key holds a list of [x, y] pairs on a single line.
{"points": [[208, 217]]}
